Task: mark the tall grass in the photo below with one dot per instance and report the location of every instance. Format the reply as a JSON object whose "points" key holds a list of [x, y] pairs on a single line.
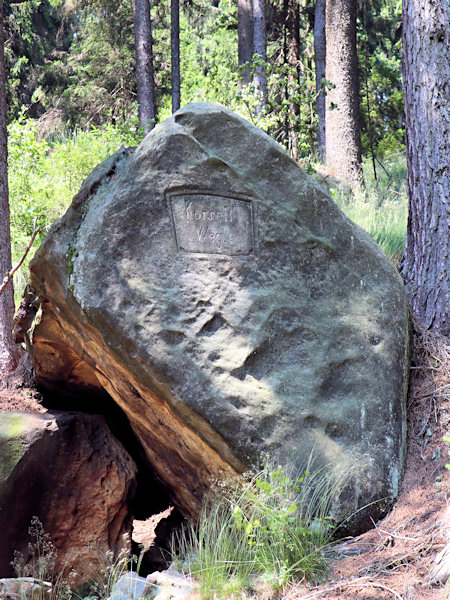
{"points": [[270, 529], [382, 208]]}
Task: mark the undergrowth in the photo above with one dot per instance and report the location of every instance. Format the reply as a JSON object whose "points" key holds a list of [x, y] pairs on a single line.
{"points": [[268, 531]]}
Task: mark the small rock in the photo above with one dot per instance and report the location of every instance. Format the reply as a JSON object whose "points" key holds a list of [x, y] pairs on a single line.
{"points": [[24, 588], [129, 587], [169, 585]]}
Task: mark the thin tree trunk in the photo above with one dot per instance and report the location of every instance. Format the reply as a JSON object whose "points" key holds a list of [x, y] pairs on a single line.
{"points": [[320, 49], [293, 27], [259, 45], [426, 75], [8, 349], [343, 128], [144, 64], [245, 38], [175, 53]]}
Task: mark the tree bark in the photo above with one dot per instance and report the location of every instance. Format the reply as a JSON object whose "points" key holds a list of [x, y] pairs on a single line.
{"points": [[175, 53], [259, 46], [8, 349], [320, 48], [426, 75], [343, 128], [293, 60], [144, 64], [245, 38]]}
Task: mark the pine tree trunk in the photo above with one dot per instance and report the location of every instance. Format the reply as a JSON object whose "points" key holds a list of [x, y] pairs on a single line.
{"points": [[259, 46], [245, 37], [144, 64], [293, 59], [343, 129], [175, 53], [426, 74], [8, 349], [320, 48]]}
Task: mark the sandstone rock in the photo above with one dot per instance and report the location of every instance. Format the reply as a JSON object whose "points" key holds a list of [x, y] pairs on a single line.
{"points": [[71, 473], [231, 309]]}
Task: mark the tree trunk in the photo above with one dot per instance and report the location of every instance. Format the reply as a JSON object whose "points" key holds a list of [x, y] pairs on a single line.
{"points": [[343, 139], [8, 349], [259, 46], [144, 64], [245, 37], [175, 53], [426, 75], [320, 48], [293, 59]]}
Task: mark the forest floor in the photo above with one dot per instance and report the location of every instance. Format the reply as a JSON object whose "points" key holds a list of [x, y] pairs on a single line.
{"points": [[394, 560]]}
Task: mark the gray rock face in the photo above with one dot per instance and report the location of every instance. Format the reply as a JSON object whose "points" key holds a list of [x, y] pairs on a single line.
{"points": [[230, 308], [71, 473]]}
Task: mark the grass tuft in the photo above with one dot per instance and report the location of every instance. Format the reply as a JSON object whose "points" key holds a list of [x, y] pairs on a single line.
{"points": [[270, 529]]}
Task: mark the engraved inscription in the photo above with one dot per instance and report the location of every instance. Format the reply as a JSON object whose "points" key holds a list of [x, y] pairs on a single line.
{"points": [[210, 224]]}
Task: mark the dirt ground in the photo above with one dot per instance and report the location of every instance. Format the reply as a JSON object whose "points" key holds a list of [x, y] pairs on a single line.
{"points": [[394, 560]]}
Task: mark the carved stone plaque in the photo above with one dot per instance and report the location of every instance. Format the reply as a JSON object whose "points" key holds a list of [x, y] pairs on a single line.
{"points": [[212, 224]]}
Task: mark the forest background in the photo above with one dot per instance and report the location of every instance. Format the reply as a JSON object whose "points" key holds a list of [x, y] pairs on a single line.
{"points": [[72, 98]]}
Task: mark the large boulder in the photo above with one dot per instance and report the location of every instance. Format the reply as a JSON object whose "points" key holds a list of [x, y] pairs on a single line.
{"points": [[67, 470], [231, 309]]}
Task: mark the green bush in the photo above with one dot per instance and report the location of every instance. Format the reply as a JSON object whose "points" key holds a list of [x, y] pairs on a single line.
{"points": [[270, 529], [44, 175]]}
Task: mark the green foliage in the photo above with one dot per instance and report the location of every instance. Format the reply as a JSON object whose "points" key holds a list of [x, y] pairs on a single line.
{"points": [[44, 175], [97, 83], [208, 44], [37, 34], [379, 42], [271, 528], [289, 115], [74, 62]]}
